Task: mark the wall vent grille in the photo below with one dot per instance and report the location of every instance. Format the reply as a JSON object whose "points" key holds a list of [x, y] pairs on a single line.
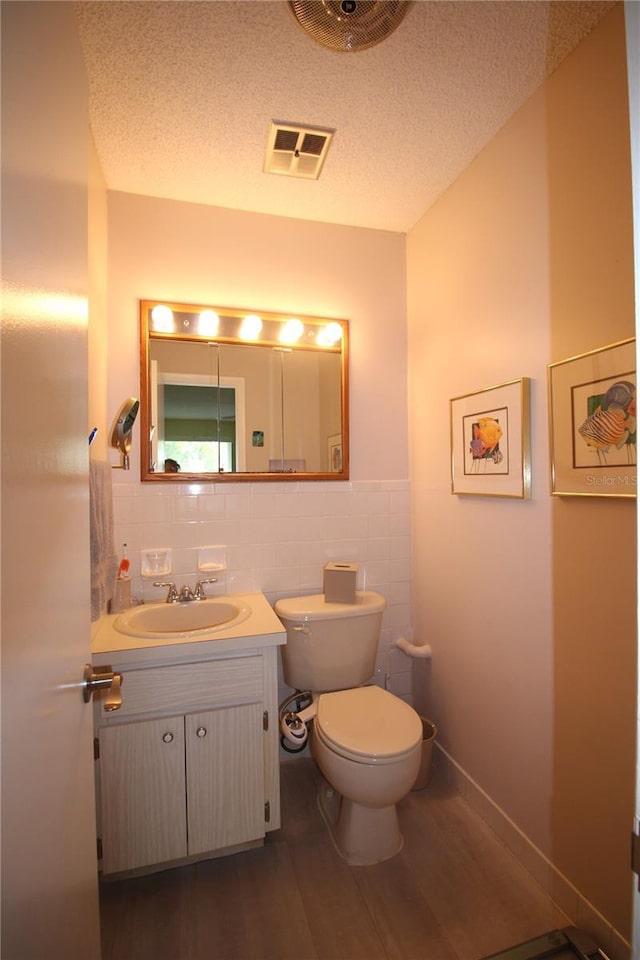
{"points": [[296, 150]]}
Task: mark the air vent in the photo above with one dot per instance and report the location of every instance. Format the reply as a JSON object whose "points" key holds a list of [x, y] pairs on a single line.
{"points": [[295, 150]]}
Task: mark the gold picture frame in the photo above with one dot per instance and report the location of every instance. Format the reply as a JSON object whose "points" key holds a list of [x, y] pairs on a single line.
{"points": [[592, 423], [490, 453], [334, 453]]}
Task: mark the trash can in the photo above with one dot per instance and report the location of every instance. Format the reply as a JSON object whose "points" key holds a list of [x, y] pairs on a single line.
{"points": [[429, 731]]}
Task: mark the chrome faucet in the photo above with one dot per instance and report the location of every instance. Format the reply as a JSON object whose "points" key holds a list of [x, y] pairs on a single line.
{"points": [[186, 594], [200, 594], [172, 596]]}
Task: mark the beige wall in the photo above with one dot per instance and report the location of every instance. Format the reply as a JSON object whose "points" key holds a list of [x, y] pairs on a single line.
{"points": [[98, 337], [530, 605], [594, 542], [184, 252], [278, 535]]}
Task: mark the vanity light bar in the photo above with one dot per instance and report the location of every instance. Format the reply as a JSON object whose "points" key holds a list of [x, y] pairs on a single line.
{"points": [[187, 321]]}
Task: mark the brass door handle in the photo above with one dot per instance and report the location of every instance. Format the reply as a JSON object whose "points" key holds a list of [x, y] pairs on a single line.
{"points": [[113, 700], [97, 679]]}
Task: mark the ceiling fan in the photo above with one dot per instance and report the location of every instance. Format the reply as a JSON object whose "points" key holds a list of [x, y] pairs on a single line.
{"points": [[348, 25]]}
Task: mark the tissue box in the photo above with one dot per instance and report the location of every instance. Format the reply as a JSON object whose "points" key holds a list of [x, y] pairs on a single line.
{"points": [[340, 582]]}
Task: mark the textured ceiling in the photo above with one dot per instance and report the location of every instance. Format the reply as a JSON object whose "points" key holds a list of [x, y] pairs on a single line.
{"points": [[182, 94]]}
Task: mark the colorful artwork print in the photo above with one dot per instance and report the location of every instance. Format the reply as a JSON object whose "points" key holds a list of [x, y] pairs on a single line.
{"points": [[490, 441], [484, 434], [604, 414], [592, 416]]}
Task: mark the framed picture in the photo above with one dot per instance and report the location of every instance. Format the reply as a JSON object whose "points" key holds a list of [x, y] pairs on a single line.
{"points": [[335, 453], [592, 423], [490, 441]]}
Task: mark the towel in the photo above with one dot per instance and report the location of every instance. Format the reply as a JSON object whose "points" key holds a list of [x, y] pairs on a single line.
{"points": [[104, 563]]}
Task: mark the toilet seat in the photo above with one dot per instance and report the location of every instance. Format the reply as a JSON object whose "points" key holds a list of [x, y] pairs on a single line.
{"points": [[367, 725]]}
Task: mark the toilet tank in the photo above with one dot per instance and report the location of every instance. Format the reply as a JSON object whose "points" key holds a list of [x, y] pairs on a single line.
{"points": [[330, 646]]}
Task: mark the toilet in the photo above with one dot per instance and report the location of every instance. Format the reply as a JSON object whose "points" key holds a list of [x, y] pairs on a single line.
{"points": [[365, 741]]}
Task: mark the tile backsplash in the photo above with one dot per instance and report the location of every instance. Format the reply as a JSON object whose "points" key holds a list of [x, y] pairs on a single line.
{"points": [[278, 536]]}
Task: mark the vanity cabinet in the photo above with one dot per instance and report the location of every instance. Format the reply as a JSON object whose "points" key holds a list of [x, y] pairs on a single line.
{"points": [[188, 766]]}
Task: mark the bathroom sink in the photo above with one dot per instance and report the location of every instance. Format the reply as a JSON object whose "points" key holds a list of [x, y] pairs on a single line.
{"points": [[181, 619]]}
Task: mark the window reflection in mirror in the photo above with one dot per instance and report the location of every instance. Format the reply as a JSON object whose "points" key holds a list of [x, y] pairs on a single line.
{"points": [[236, 394]]}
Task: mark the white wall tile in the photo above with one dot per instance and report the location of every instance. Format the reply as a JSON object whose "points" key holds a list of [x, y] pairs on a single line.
{"points": [[399, 501], [210, 507], [399, 548], [154, 509], [378, 525], [185, 509], [264, 505], [278, 538]]}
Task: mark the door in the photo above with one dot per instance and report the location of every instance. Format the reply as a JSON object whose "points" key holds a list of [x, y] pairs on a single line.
{"points": [[142, 793], [49, 877], [632, 23], [225, 777]]}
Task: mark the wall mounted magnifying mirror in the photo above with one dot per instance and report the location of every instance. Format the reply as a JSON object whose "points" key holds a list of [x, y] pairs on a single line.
{"points": [[231, 394], [122, 428]]}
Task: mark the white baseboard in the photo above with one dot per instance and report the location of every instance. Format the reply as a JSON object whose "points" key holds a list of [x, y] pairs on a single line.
{"points": [[578, 910]]}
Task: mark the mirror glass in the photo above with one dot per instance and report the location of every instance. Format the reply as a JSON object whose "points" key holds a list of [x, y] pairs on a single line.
{"points": [[241, 395]]}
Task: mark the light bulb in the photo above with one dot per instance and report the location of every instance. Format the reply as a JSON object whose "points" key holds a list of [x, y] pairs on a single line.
{"points": [[162, 318], [208, 323], [329, 335], [291, 331], [250, 327]]}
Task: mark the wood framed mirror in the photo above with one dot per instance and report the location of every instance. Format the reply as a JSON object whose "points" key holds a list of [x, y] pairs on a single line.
{"points": [[228, 394]]}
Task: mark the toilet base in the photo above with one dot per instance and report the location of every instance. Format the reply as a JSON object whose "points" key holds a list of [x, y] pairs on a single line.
{"points": [[361, 835]]}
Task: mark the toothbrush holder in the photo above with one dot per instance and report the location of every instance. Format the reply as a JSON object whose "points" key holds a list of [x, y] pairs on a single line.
{"points": [[156, 562]]}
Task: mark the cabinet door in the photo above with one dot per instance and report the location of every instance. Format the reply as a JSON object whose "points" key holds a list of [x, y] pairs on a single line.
{"points": [[225, 777], [143, 801]]}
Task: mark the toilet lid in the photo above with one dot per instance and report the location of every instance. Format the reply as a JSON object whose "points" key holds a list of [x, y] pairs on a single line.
{"points": [[368, 723], [315, 607]]}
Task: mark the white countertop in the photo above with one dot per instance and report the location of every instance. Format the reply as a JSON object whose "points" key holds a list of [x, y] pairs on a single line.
{"points": [[261, 629]]}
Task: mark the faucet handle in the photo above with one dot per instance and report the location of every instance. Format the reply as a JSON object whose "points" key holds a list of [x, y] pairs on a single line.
{"points": [[200, 594], [172, 596]]}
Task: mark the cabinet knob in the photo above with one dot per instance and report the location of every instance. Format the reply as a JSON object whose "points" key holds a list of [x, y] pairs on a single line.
{"points": [[201, 732], [167, 737]]}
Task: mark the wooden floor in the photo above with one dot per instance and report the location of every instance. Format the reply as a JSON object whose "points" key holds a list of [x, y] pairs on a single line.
{"points": [[453, 893]]}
